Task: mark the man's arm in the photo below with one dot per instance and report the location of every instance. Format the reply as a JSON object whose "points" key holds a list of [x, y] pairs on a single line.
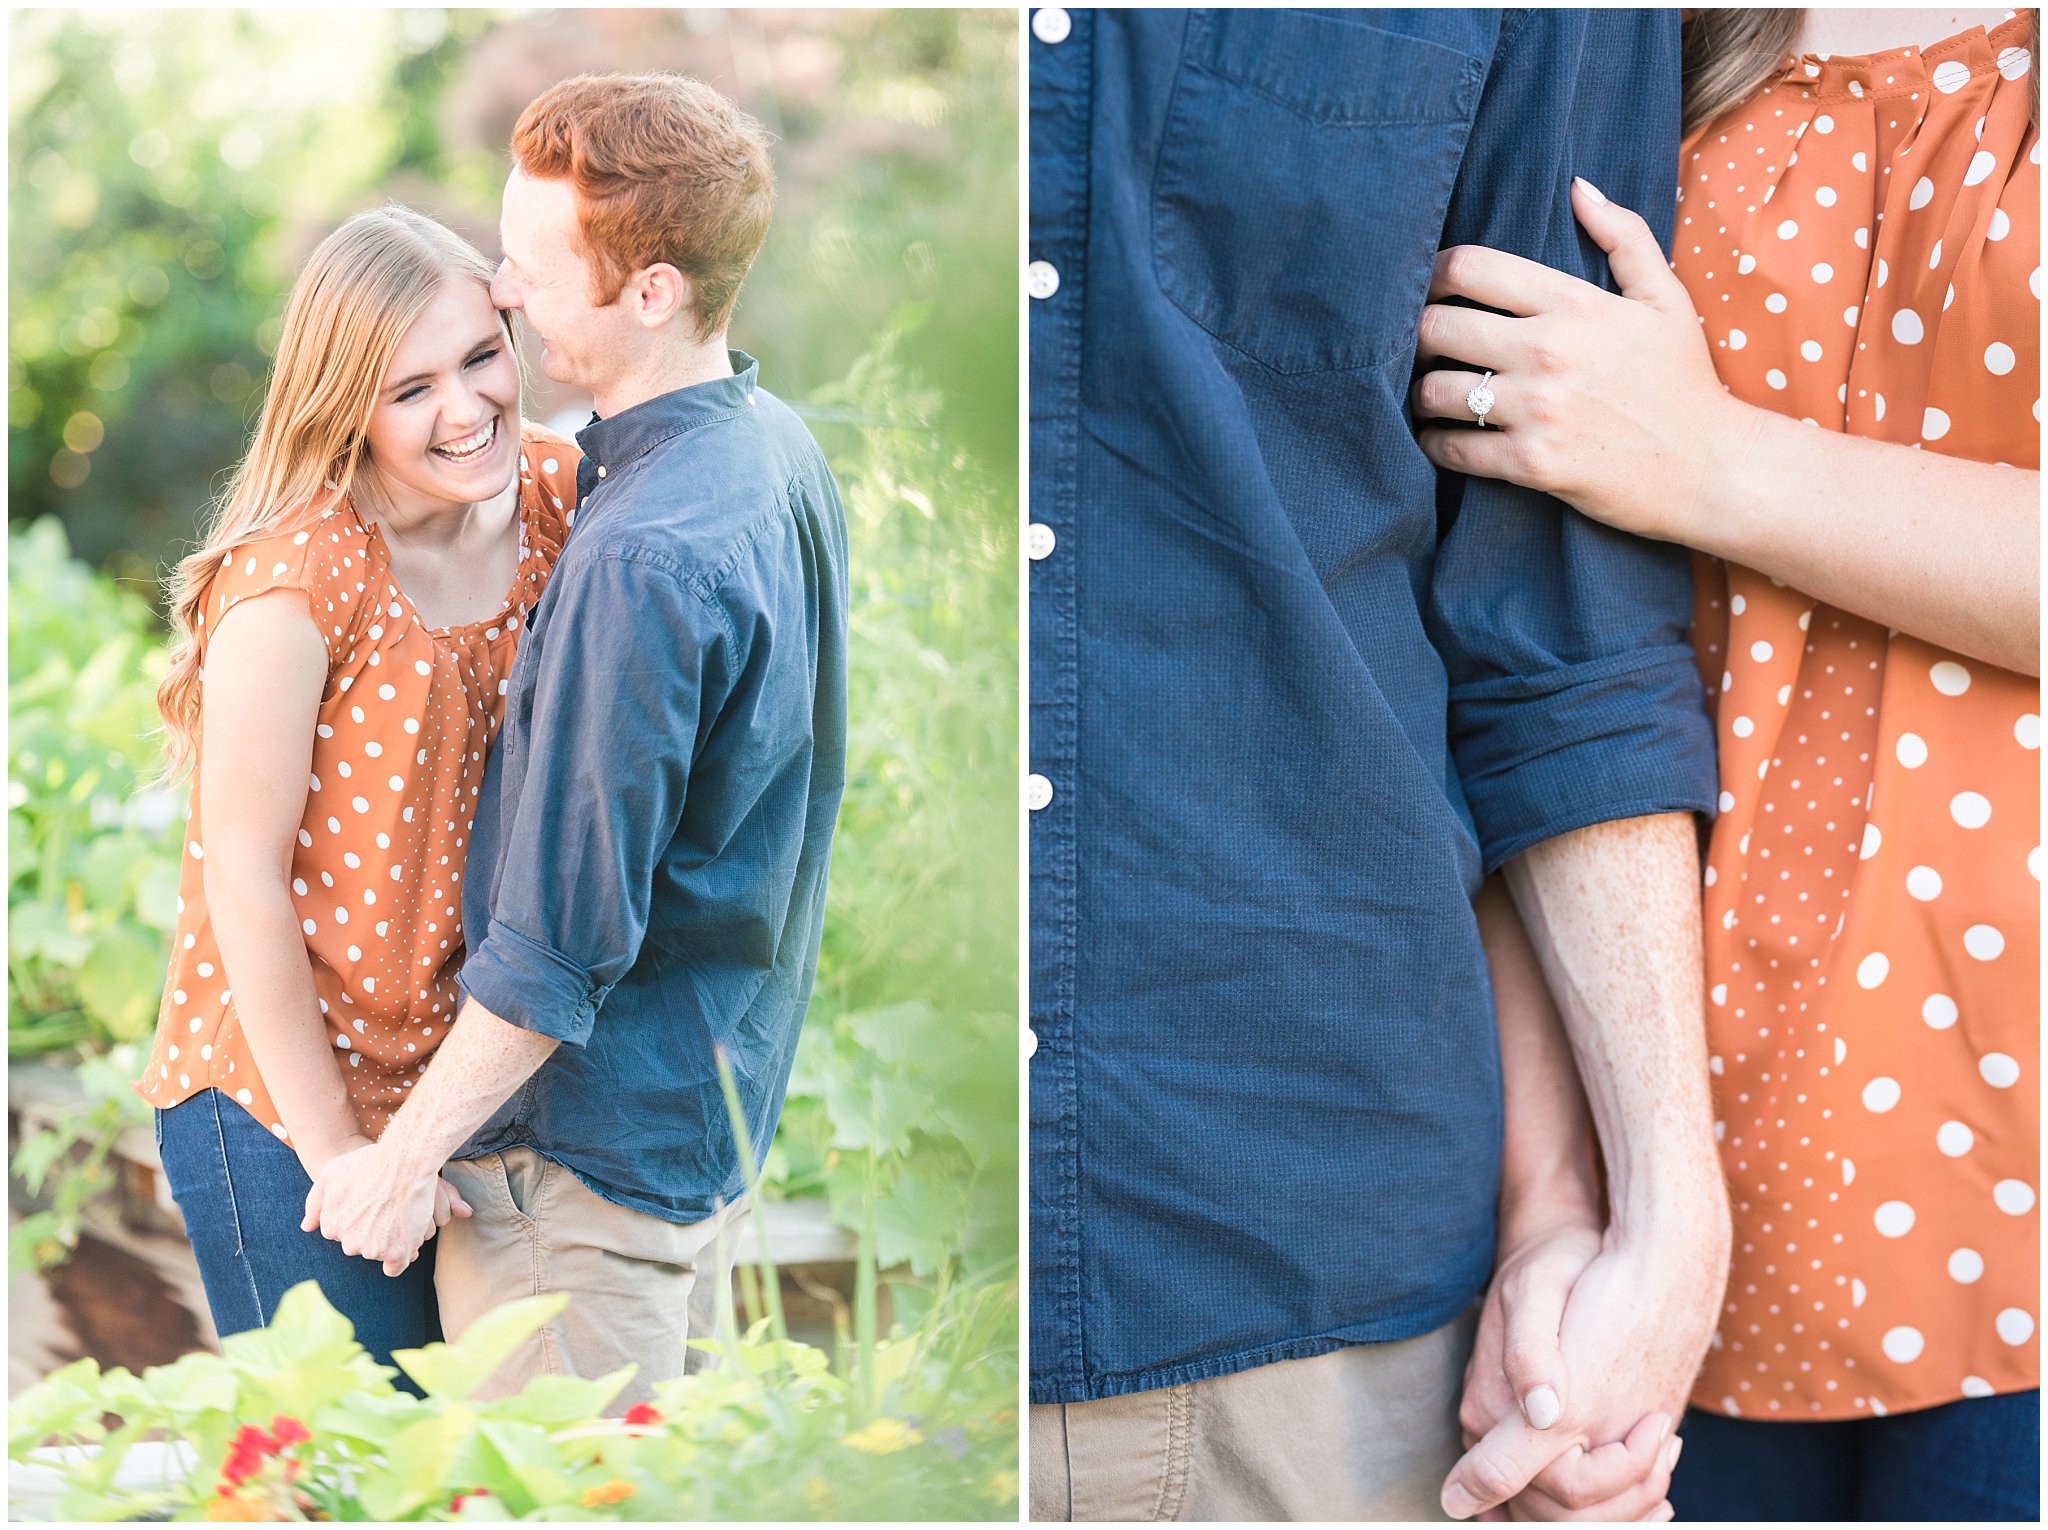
{"points": [[378, 1201], [1612, 912]]}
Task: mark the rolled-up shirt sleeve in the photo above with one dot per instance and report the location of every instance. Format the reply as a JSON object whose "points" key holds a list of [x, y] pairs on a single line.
{"points": [[617, 691], [1574, 696]]}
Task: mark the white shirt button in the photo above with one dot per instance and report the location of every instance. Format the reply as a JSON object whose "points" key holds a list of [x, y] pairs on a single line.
{"points": [[1037, 792], [1050, 24], [1040, 279], [1030, 1042], [1039, 541], [600, 472]]}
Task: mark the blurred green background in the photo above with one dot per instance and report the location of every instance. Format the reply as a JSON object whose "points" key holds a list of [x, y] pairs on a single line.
{"points": [[168, 170]]}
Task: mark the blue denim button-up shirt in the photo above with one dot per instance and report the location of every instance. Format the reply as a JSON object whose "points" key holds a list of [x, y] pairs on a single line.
{"points": [[648, 867], [1292, 691]]}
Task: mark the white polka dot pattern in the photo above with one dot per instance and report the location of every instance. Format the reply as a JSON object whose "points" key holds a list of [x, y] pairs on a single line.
{"points": [[1870, 227]]}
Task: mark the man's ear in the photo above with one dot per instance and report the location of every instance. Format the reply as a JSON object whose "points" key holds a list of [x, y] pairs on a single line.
{"points": [[659, 294]]}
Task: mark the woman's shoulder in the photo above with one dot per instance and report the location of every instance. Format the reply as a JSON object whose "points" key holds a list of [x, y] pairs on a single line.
{"points": [[318, 549], [547, 474], [550, 458]]}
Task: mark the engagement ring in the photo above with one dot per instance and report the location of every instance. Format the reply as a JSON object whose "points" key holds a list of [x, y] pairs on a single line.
{"points": [[1480, 399]]}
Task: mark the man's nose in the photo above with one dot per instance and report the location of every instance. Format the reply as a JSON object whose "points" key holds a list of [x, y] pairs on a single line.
{"points": [[504, 291]]}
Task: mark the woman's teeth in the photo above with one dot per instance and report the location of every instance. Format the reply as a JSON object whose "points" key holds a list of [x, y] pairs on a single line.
{"points": [[469, 448]]}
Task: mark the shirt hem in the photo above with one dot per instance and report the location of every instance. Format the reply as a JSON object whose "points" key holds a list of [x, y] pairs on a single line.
{"points": [[1838, 1413], [685, 1213], [1123, 1383]]}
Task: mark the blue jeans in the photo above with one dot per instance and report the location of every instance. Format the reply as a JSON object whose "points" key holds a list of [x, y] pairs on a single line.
{"points": [[1979, 1459], [243, 1192]]}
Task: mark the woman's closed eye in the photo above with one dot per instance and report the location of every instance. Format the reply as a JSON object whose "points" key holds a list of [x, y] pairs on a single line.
{"points": [[483, 357]]}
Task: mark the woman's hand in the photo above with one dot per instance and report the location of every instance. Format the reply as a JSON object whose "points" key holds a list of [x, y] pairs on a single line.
{"points": [[1584, 1467], [448, 1204], [1610, 403], [1629, 1326], [315, 1155]]}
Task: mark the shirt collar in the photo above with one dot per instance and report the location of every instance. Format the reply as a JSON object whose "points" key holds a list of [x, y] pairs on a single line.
{"points": [[611, 444]]}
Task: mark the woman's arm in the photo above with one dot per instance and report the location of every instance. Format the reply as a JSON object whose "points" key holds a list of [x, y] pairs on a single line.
{"points": [[1612, 404], [265, 669], [1945, 549]]}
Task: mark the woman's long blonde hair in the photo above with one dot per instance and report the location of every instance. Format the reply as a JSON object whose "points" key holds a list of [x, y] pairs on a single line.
{"points": [[352, 304], [1728, 53]]}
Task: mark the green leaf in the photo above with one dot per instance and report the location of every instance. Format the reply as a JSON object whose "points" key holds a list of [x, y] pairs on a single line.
{"points": [[193, 1384], [38, 1153], [108, 870], [557, 1400], [156, 894], [418, 1463], [67, 1405], [122, 980], [43, 930], [457, 1369]]}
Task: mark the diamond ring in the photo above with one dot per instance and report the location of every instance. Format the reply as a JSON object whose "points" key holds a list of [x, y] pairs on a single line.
{"points": [[1480, 399]]}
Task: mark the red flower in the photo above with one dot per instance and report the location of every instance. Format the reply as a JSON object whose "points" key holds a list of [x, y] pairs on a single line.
{"points": [[455, 1504], [643, 1413], [288, 1430], [249, 1437]]}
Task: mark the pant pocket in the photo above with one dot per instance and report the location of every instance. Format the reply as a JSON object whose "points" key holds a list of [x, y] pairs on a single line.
{"points": [[524, 1174]]}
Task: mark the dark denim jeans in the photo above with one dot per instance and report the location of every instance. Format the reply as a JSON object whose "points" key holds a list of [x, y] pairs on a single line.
{"points": [[243, 1193], [1979, 1459]]}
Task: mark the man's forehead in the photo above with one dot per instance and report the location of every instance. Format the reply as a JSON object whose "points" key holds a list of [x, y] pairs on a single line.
{"points": [[537, 218]]}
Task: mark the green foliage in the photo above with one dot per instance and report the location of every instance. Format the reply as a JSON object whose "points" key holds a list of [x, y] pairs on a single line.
{"points": [[921, 1426], [68, 1157], [92, 852], [909, 1060]]}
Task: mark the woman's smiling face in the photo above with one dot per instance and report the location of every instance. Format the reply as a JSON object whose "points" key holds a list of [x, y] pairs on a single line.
{"points": [[445, 429]]}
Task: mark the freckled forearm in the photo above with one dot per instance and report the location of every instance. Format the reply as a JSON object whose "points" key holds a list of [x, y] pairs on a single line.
{"points": [[1613, 913], [472, 1073]]}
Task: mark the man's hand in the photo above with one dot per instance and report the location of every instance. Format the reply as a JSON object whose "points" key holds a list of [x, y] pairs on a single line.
{"points": [[363, 1200], [1630, 1322]]}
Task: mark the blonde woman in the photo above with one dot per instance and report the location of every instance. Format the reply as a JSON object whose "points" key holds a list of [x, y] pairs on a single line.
{"points": [[1832, 394], [344, 634]]}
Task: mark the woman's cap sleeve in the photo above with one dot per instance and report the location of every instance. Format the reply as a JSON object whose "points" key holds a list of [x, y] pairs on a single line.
{"points": [[308, 560]]}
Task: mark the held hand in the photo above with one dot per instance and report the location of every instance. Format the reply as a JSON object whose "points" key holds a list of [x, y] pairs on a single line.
{"points": [[1631, 1328], [1609, 402], [361, 1201], [448, 1203]]}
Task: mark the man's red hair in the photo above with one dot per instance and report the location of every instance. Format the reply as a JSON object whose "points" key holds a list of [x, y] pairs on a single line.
{"points": [[664, 169]]}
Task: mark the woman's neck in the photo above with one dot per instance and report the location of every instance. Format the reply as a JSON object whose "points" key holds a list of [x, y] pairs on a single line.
{"points": [[1856, 30], [427, 526]]}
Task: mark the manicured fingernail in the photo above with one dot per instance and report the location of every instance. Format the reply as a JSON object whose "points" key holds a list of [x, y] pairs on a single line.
{"points": [[1541, 1407], [1458, 1503], [1591, 190], [1671, 1454]]}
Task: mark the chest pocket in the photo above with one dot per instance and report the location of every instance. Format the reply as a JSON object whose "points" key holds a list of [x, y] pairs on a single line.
{"points": [[1302, 183]]}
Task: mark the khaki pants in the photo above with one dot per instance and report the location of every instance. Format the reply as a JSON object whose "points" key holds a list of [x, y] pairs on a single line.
{"points": [[639, 1287], [1368, 1432]]}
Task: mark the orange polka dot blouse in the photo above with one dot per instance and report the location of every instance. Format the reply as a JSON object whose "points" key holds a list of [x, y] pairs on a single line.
{"points": [[1862, 239], [406, 719]]}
